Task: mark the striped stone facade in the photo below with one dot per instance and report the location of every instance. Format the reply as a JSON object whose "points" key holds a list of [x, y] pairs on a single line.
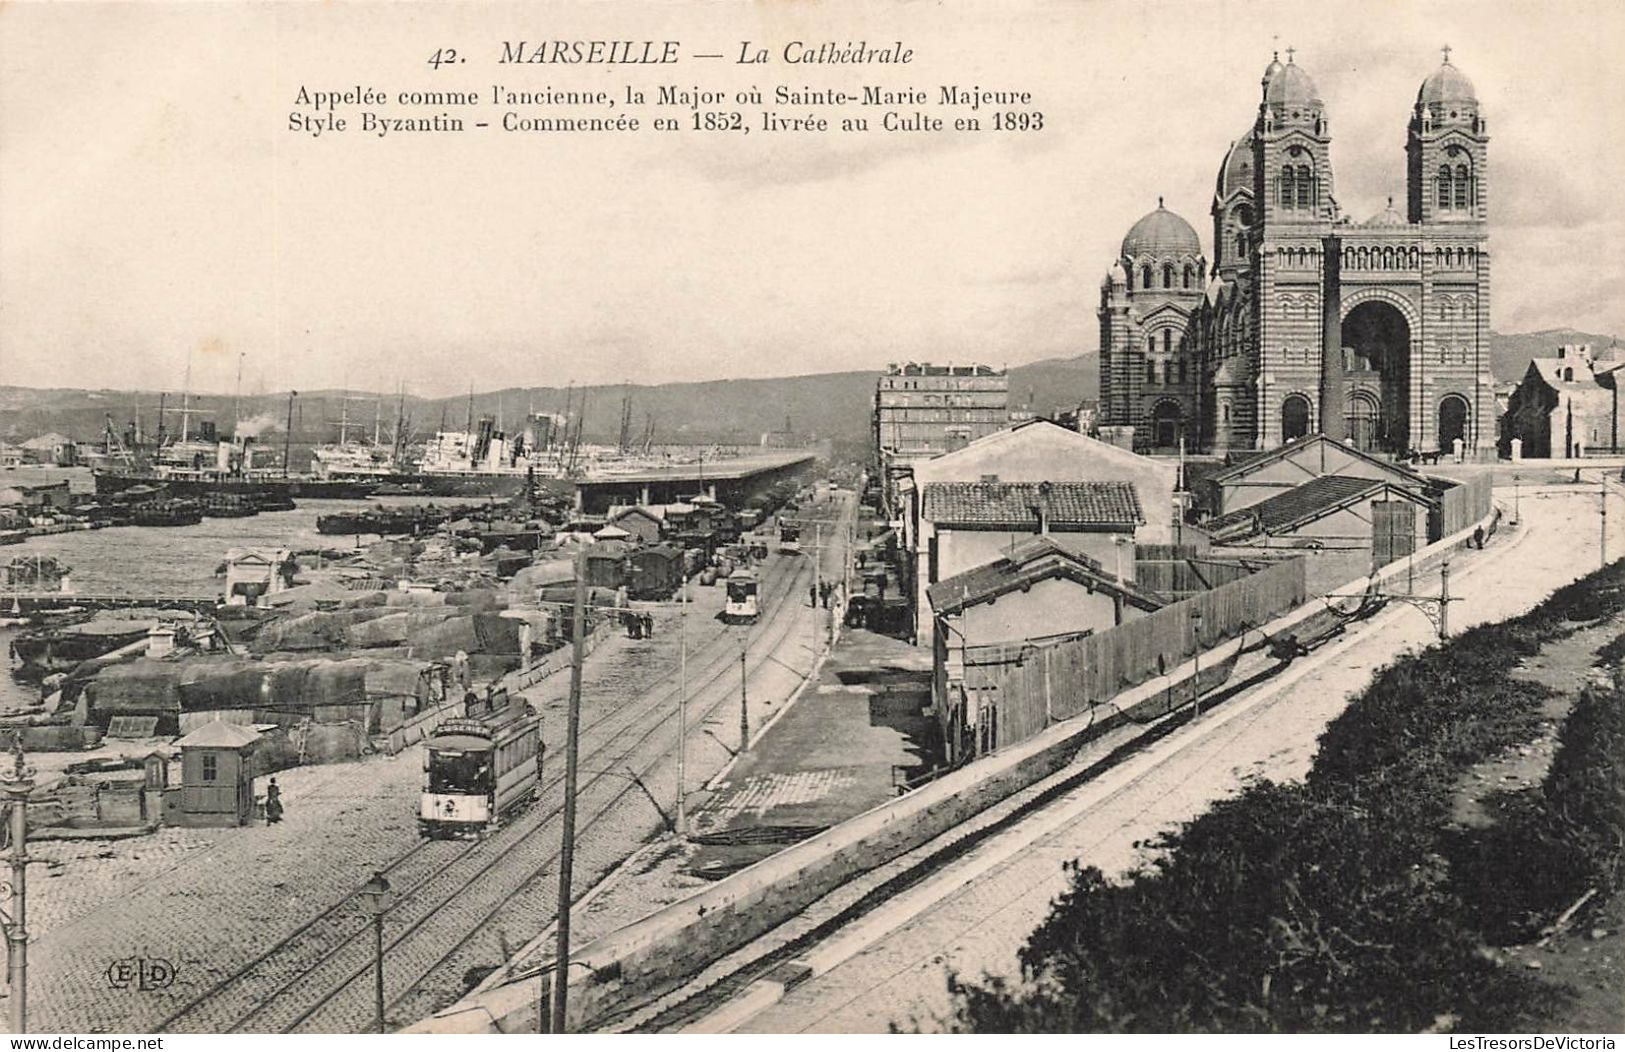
{"points": [[1374, 332]]}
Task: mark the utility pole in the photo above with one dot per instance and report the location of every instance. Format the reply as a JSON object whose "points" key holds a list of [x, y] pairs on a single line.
{"points": [[561, 957], [744, 705], [1602, 492], [1516, 518], [16, 784], [682, 708]]}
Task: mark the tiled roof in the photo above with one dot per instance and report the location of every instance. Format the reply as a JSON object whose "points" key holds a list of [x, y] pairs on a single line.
{"points": [[1033, 560], [1298, 505], [1013, 504]]}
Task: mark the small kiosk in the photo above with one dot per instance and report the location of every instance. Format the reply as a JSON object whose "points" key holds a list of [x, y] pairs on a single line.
{"points": [[217, 777]]}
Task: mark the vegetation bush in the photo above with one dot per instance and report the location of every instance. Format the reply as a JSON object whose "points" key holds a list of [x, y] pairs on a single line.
{"points": [[1332, 905]]}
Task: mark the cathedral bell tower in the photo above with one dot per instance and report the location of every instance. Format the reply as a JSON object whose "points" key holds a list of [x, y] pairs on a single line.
{"points": [[1447, 151], [1292, 168]]}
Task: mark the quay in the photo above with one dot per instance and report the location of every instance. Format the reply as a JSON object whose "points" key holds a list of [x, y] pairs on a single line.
{"points": [[24, 603], [731, 481]]}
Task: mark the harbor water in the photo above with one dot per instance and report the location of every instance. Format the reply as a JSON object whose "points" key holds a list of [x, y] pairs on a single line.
{"points": [[157, 561]]}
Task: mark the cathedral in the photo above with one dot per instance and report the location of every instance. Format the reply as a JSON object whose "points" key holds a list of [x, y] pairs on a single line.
{"points": [[1373, 332]]}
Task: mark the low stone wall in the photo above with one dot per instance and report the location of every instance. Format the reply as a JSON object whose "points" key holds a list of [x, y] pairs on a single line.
{"points": [[653, 954]]}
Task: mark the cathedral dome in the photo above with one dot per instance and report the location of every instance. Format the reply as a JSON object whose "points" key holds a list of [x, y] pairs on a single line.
{"points": [[1447, 85], [1291, 87], [1161, 233], [1387, 217], [1236, 171]]}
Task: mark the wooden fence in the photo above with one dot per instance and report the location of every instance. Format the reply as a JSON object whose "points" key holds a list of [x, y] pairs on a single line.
{"points": [[1019, 689], [1461, 506], [1181, 571]]}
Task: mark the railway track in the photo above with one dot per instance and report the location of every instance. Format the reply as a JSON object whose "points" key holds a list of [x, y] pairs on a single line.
{"points": [[449, 891]]}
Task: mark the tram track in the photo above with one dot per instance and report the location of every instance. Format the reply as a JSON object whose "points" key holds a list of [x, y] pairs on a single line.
{"points": [[293, 981]]}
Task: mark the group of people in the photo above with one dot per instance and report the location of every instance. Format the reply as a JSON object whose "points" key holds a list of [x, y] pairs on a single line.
{"points": [[638, 625], [819, 594]]}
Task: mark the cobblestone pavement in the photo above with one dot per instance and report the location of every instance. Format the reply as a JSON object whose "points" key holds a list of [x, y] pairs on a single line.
{"points": [[900, 979], [212, 901]]}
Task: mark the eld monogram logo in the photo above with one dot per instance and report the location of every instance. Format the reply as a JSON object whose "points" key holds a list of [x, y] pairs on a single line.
{"points": [[143, 973]]}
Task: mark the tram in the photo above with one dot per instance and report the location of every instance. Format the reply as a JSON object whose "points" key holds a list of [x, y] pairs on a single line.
{"points": [[789, 536], [480, 767], [743, 605]]}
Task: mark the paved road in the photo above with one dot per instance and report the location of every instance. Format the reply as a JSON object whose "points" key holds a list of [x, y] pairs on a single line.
{"points": [[899, 978]]}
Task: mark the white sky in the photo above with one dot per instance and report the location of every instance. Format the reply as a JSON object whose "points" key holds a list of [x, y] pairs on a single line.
{"points": [[152, 202]]}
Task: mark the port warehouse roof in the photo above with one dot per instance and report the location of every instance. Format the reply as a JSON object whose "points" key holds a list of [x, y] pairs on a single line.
{"points": [[1016, 505], [706, 471]]}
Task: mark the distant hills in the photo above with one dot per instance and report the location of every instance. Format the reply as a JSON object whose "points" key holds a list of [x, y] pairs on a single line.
{"points": [[823, 406]]}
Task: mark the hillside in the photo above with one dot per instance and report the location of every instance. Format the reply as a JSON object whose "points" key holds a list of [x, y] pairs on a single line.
{"points": [[832, 406]]}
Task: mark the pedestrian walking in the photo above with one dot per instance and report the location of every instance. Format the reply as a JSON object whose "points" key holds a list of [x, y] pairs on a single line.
{"points": [[273, 803], [1478, 537], [812, 596], [648, 626]]}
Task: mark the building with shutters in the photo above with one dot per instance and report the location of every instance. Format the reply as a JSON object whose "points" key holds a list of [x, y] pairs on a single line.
{"points": [[1307, 320]]}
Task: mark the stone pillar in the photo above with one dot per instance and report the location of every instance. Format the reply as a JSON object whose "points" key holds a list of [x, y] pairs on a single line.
{"points": [[1517, 450]]}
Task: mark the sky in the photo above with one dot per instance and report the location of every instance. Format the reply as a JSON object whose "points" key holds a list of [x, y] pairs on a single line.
{"points": [[157, 215]]}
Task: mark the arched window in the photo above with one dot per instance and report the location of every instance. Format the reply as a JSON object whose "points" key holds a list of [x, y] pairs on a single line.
{"points": [[1131, 279], [1305, 187], [1287, 187], [1167, 340], [1226, 409], [1182, 370], [1150, 372], [1241, 246], [1461, 188], [1294, 418], [1568, 374], [1444, 186], [1167, 372], [1189, 275], [1151, 344], [1145, 276], [1201, 272], [1167, 275]]}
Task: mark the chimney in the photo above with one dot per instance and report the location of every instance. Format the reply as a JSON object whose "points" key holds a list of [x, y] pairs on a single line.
{"points": [[1044, 490]]}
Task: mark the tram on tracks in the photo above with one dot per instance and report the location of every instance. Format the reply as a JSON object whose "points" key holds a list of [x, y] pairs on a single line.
{"points": [[743, 605], [480, 767], [789, 536]]}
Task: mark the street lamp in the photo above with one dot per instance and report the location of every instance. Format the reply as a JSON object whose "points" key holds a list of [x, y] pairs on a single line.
{"points": [[16, 784], [376, 892], [1516, 518], [1196, 656]]}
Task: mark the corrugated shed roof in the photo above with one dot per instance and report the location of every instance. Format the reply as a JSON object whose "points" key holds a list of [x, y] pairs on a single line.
{"points": [[1031, 561], [1299, 505], [1014, 504]]}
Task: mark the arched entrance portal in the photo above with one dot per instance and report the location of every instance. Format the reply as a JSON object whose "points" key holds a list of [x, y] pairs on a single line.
{"points": [[1364, 420], [1294, 417], [1378, 334], [1453, 414], [1166, 424]]}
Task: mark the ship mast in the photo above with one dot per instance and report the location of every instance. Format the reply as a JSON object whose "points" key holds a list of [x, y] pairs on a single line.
{"points": [[186, 400]]}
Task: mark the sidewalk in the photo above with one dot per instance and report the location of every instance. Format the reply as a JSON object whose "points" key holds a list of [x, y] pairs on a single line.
{"points": [[857, 734]]}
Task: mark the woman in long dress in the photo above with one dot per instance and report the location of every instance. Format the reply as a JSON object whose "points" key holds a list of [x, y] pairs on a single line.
{"points": [[273, 803]]}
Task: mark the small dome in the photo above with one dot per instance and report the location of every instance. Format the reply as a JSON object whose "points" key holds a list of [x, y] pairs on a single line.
{"points": [[1236, 170], [1161, 233], [1271, 70], [1387, 217], [1291, 87], [1448, 85], [1117, 275]]}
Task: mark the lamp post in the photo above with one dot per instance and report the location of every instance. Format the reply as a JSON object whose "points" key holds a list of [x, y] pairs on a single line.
{"points": [[1196, 657], [376, 892], [16, 785], [1516, 517]]}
